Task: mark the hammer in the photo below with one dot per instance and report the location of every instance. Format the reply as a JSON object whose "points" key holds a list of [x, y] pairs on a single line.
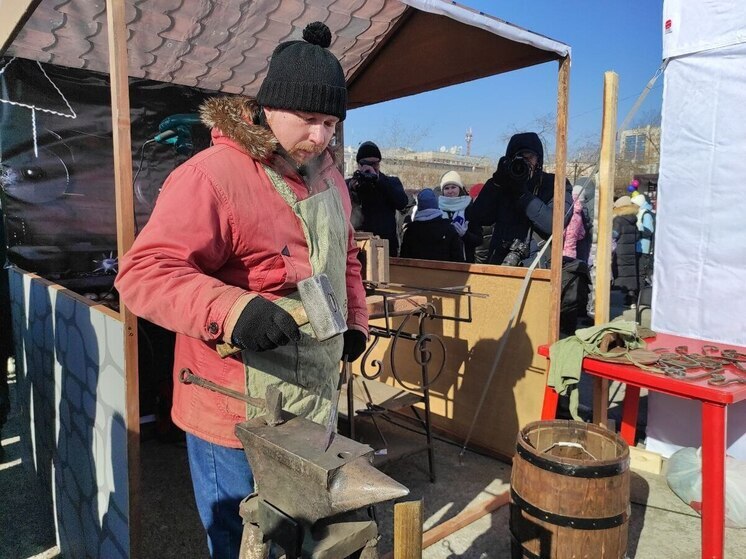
{"points": [[319, 308]]}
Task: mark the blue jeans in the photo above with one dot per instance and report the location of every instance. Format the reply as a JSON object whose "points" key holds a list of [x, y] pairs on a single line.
{"points": [[221, 478]]}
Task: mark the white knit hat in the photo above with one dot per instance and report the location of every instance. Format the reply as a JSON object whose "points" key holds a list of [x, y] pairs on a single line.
{"points": [[451, 177], [638, 199]]}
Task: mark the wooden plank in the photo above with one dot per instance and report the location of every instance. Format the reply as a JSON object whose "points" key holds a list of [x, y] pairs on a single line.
{"points": [[125, 215], [408, 530], [15, 15], [464, 518], [603, 248], [484, 269]]}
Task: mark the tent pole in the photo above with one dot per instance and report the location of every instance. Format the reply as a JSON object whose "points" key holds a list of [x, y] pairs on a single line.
{"points": [[120, 117], [558, 212], [603, 247]]}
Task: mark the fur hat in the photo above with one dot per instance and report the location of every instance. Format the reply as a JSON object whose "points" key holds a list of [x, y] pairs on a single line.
{"points": [[368, 150], [451, 177], [426, 200], [305, 76], [622, 201]]}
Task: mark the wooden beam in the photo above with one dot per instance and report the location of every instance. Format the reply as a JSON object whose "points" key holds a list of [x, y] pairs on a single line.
{"points": [[15, 14], [603, 247], [466, 517], [558, 214], [125, 215], [408, 530]]}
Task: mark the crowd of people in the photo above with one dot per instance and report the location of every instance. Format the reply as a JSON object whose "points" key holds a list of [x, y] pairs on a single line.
{"points": [[505, 220]]}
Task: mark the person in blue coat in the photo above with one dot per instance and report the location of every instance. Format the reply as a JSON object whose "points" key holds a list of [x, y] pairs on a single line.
{"points": [[519, 205]]}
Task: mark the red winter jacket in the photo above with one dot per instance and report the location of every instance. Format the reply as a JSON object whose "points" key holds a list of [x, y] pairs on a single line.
{"points": [[220, 234]]}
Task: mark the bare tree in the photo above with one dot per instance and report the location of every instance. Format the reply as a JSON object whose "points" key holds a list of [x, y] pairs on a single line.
{"points": [[399, 135], [545, 127], [582, 158]]}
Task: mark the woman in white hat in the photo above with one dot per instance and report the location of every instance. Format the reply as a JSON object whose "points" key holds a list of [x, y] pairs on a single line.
{"points": [[453, 202]]}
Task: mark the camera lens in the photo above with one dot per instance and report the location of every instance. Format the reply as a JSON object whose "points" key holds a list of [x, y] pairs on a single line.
{"points": [[518, 168]]}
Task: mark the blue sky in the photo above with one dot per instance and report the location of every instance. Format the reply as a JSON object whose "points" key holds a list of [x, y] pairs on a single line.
{"points": [[623, 36]]}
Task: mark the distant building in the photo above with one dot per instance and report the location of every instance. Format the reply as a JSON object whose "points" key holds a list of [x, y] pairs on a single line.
{"points": [[641, 145], [419, 169]]}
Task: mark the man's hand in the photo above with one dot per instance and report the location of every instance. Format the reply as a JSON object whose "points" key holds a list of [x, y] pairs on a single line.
{"points": [[515, 187], [263, 325], [354, 344]]}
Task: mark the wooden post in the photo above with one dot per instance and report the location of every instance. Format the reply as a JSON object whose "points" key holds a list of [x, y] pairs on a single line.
{"points": [[125, 214], [558, 215], [408, 530], [603, 246], [339, 147]]}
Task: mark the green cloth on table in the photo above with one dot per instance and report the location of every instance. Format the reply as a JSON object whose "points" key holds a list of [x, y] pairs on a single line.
{"points": [[566, 356]]}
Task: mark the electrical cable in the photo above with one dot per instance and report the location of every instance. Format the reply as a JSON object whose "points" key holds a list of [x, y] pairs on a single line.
{"points": [[135, 187]]}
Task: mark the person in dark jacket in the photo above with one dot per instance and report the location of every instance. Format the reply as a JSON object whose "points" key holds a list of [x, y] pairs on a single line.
{"points": [[378, 195], [520, 207], [481, 252], [454, 201], [430, 236], [624, 259]]}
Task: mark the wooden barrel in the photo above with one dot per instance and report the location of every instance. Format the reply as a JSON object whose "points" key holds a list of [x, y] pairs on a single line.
{"points": [[569, 494]]}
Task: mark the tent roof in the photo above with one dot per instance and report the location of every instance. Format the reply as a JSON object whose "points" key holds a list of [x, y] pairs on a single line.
{"points": [[388, 48]]}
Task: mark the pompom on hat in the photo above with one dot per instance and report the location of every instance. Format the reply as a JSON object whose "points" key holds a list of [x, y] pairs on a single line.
{"points": [[306, 76]]}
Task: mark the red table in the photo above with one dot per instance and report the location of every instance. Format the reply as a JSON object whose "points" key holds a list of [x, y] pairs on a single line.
{"points": [[715, 400]]}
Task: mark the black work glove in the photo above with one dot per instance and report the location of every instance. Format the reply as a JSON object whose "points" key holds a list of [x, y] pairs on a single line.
{"points": [[515, 187], [354, 346], [263, 325]]}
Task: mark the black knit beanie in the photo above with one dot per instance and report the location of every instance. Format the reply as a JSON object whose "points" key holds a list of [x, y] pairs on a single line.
{"points": [[305, 76], [367, 150]]}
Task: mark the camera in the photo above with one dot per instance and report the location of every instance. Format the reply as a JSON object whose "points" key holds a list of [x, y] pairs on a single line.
{"points": [[519, 169], [517, 253], [365, 177]]}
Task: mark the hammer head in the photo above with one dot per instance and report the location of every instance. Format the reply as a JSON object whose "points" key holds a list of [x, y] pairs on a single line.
{"points": [[322, 307]]}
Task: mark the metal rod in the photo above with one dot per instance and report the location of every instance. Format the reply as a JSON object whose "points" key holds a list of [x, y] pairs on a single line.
{"points": [[466, 290]]}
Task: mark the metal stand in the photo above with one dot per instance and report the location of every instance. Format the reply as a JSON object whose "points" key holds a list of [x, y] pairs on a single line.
{"points": [[265, 525], [381, 407]]}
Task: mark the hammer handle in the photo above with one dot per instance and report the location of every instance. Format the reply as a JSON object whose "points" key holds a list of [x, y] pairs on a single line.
{"points": [[226, 349]]}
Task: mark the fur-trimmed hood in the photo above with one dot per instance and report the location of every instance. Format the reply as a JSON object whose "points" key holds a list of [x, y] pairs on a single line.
{"points": [[234, 118], [630, 209]]}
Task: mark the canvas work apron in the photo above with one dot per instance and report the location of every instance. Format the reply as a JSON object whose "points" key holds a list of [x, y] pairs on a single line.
{"points": [[307, 372]]}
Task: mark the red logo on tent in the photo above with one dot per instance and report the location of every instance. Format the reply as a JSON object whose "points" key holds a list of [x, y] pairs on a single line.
{"points": [[668, 26]]}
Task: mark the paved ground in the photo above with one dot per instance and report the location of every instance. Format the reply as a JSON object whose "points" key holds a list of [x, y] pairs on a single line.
{"points": [[661, 526]]}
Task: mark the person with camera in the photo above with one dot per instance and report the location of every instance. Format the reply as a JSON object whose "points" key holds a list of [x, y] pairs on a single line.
{"points": [[518, 200], [453, 202], [379, 196]]}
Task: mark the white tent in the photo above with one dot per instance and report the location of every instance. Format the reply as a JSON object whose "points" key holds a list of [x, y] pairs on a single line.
{"points": [[699, 287]]}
